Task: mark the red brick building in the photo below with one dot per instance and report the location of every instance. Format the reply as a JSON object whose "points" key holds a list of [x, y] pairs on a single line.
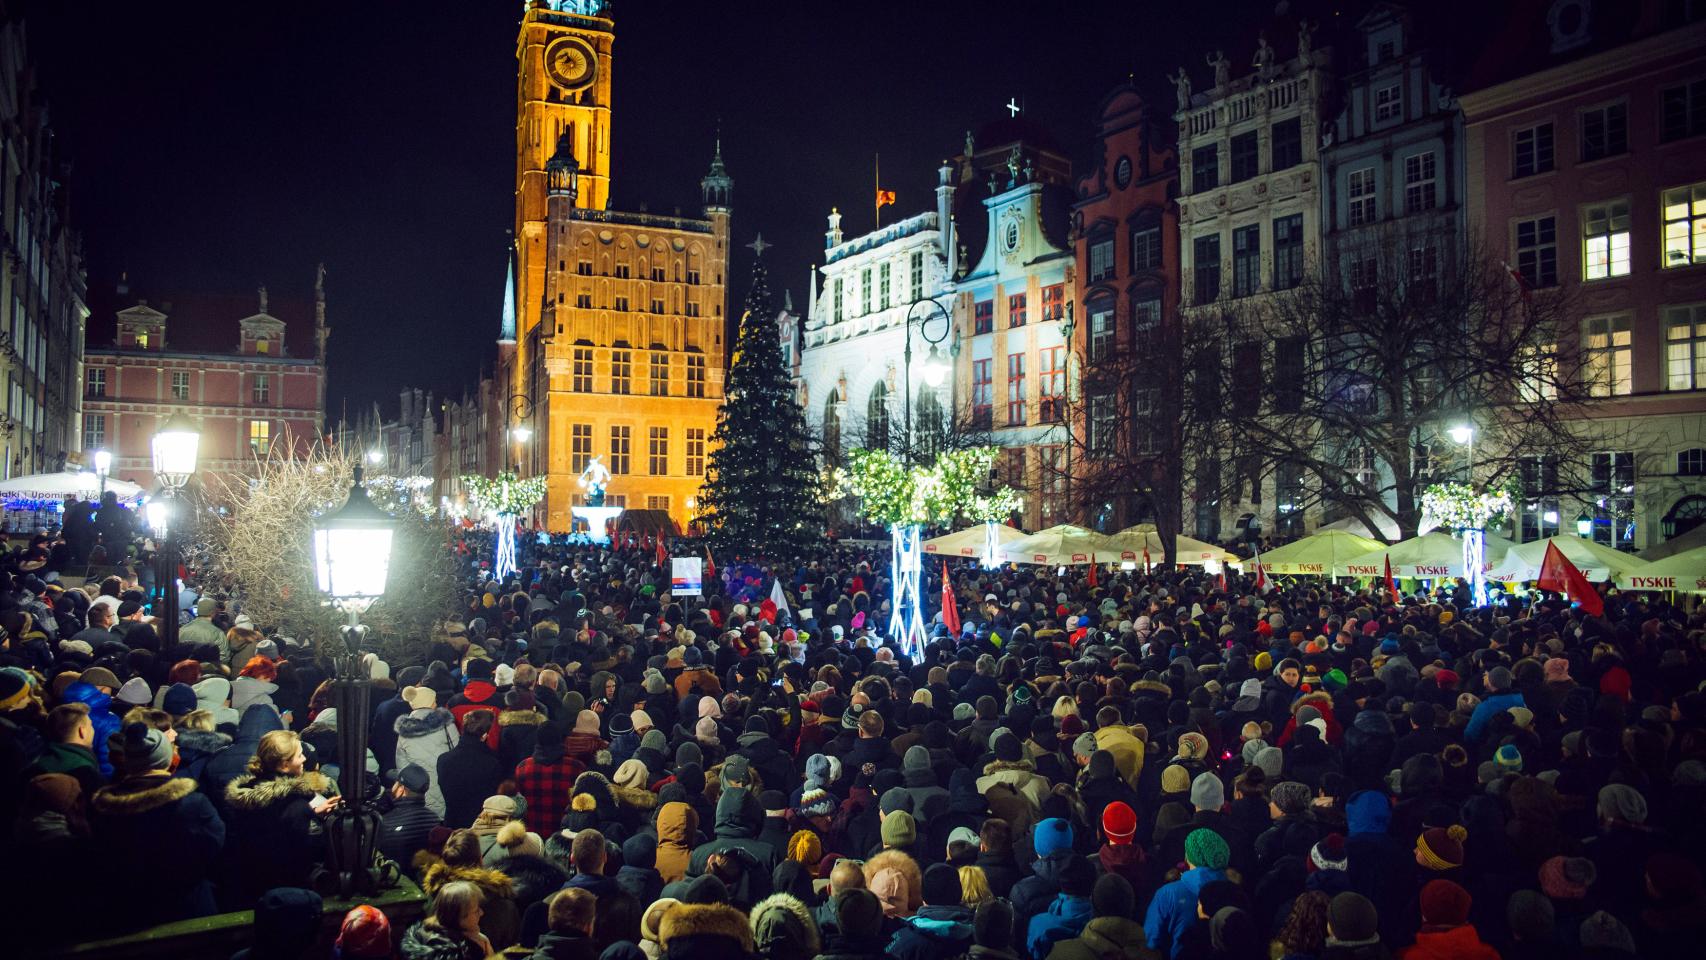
{"points": [[250, 371]]}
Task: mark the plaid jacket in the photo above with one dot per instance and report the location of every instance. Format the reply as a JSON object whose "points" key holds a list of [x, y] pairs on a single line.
{"points": [[546, 787]]}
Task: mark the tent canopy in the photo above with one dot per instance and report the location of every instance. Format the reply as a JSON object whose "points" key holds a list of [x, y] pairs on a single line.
{"points": [[1061, 545], [64, 483], [970, 541], [1522, 561], [1321, 554], [1684, 572], [1430, 556], [1134, 540]]}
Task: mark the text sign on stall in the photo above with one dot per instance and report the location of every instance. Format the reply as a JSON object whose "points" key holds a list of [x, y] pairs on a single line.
{"points": [[686, 578]]}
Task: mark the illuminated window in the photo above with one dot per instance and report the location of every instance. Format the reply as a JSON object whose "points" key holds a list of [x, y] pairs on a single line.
{"points": [[142, 341], [1685, 225], [657, 451], [916, 271], [95, 382], [260, 436], [1051, 384], [620, 438], [262, 346], [1685, 347], [695, 452], [1613, 483], [660, 374], [621, 371], [1605, 241], [883, 284], [1607, 356], [1016, 310], [695, 376], [983, 317], [1539, 364], [1054, 302]]}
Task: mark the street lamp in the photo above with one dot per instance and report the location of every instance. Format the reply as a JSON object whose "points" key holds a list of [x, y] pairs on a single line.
{"points": [[176, 446], [375, 456], [1584, 525], [352, 560], [935, 367], [1464, 436], [103, 466], [522, 434], [519, 406]]}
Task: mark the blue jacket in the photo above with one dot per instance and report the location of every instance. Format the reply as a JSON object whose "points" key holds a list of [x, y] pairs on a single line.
{"points": [[935, 932], [1486, 710], [1174, 909], [1064, 920], [101, 715]]}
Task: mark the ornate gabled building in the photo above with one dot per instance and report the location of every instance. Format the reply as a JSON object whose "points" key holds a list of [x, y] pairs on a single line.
{"points": [[613, 335]]}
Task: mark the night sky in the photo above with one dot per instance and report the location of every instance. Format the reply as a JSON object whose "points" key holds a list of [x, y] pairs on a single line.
{"points": [[216, 147]]}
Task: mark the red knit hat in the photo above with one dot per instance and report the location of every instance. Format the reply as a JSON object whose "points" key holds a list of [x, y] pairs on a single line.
{"points": [[1444, 904], [1071, 726], [1119, 823], [366, 932]]}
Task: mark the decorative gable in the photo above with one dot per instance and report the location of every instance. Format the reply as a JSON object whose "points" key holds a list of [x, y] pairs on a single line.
{"points": [[141, 328], [262, 333]]}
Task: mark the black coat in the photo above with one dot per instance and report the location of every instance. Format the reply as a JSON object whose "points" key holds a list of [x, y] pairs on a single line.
{"points": [[168, 832], [468, 773], [404, 829], [276, 839]]}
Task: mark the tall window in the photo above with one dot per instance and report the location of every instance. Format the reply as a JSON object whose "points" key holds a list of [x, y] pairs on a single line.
{"points": [[1245, 162], [621, 305], [1685, 225], [1205, 268], [1537, 251], [1101, 259], [983, 316], [916, 272], [1388, 103], [877, 418], [1051, 474], [580, 446], [1605, 131], [1101, 331], [1054, 302], [1288, 251], [1103, 424], [1682, 110], [866, 304], [1288, 500], [1605, 240], [1015, 389], [1361, 196], [1146, 312], [1205, 168], [95, 382], [835, 299], [260, 436], [1289, 374], [1614, 505], [1287, 146], [1607, 356], [180, 385], [1246, 260], [620, 439], [1532, 151], [1539, 363], [94, 431], [1419, 174], [1540, 503], [695, 452], [260, 389], [624, 271], [982, 393], [1051, 384], [1685, 347], [883, 284], [584, 268], [1146, 248], [1016, 310], [581, 379], [660, 374], [695, 376], [657, 451], [1147, 438], [621, 371]]}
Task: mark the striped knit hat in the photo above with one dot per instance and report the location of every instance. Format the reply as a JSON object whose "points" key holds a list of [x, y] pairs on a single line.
{"points": [[1441, 849]]}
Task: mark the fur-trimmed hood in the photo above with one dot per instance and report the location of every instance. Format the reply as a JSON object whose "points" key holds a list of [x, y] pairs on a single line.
{"points": [[638, 797], [202, 741], [781, 916], [421, 723], [686, 920], [999, 766], [520, 718], [492, 883], [138, 795], [251, 793]]}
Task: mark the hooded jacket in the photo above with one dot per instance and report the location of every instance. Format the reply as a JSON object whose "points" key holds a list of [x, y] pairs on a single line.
{"points": [[1064, 919], [1450, 943], [738, 821], [1032, 895], [1173, 910], [1106, 938], [782, 929], [678, 831], [196, 748], [423, 736], [233, 761], [477, 695], [276, 838], [101, 715], [424, 942], [502, 920], [1021, 775], [1127, 750], [934, 932], [773, 764], [169, 831]]}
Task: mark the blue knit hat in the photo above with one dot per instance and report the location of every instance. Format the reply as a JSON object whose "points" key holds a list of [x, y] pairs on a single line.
{"points": [[1051, 835]]}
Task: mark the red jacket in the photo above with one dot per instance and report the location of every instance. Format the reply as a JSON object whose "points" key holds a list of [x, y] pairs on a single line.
{"points": [[1451, 943], [546, 786], [479, 695]]}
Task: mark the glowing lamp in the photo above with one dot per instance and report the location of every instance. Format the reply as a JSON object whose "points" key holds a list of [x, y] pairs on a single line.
{"points": [[1584, 526], [935, 368], [352, 549], [175, 449]]}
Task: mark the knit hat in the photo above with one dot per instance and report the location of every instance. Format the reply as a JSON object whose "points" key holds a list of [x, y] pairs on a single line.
{"points": [[1119, 823], [1175, 779], [889, 884], [1006, 746], [500, 804], [736, 769], [1530, 916], [1567, 878], [1329, 854], [805, 847], [135, 692], [1051, 836], [1622, 802], [1085, 745], [145, 748], [420, 698], [1207, 792], [365, 933], [632, 773], [14, 689], [1602, 931], [179, 699], [941, 885], [1353, 917], [652, 918], [899, 829], [1271, 760], [1508, 758], [992, 925], [1499, 679], [705, 729], [1205, 848], [1192, 746], [586, 722], [1292, 798], [1441, 849], [1444, 904], [894, 800], [1113, 897]]}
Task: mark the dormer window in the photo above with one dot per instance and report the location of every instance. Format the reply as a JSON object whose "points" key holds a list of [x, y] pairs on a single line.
{"points": [[261, 346], [142, 340]]}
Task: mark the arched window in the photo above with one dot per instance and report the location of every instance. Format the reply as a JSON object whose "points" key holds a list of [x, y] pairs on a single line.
{"points": [[928, 422], [877, 418], [1685, 515], [831, 431]]}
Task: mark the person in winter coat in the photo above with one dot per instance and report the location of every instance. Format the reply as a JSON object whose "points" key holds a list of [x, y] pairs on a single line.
{"points": [[478, 693], [1353, 929], [1112, 933], [857, 931], [70, 747], [1446, 932], [1173, 909], [638, 876], [705, 931], [197, 744], [1500, 698], [233, 761], [1119, 855], [1378, 864], [382, 734], [918, 779], [501, 918], [783, 929], [1053, 842], [739, 819], [425, 734], [470, 771], [1117, 738], [546, 779], [570, 936], [941, 927], [404, 828], [1011, 767], [763, 754], [518, 726], [678, 833], [1067, 915], [165, 826], [452, 929], [100, 714], [1102, 784], [275, 816]]}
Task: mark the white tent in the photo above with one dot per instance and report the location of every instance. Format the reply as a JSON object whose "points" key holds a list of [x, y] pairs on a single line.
{"points": [[1684, 572], [970, 541], [1522, 561], [1388, 528], [1430, 556], [1319, 554], [1061, 545], [1134, 540], [58, 486]]}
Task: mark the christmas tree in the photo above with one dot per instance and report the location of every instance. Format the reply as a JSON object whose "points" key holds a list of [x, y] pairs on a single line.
{"points": [[762, 492]]}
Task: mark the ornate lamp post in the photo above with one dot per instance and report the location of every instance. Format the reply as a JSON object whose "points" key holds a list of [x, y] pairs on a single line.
{"points": [[103, 466], [352, 560], [176, 447], [935, 365]]}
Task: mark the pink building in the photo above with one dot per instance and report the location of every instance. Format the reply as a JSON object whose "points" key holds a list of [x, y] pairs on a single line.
{"points": [[250, 372], [1586, 142]]}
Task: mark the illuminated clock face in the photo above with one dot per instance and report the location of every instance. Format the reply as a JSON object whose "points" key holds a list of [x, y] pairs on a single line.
{"points": [[570, 63]]}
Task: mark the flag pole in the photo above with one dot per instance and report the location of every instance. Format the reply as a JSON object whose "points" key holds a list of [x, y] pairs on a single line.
{"points": [[877, 171]]}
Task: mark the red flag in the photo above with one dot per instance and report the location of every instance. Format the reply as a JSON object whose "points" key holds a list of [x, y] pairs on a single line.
{"points": [[1521, 283], [1261, 574], [1558, 574], [884, 198], [663, 554], [1146, 559], [1093, 566], [1220, 580], [1391, 584], [950, 610], [710, 568], [767, 610]]}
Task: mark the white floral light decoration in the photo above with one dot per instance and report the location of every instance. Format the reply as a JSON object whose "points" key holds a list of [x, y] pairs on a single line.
{"points": [[1458, 506]]}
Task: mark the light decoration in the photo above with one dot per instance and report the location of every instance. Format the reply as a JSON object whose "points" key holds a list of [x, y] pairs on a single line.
{"points": [[506, 496], [905, 498], [1470, 513]]}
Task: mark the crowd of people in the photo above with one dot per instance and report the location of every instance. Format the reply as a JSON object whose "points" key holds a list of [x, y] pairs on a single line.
{"points": [[581, 766]]}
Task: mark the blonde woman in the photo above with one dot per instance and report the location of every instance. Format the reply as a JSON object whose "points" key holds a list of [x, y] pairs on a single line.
{"points": [[275, 834], [974, 887], [452, 930]]}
